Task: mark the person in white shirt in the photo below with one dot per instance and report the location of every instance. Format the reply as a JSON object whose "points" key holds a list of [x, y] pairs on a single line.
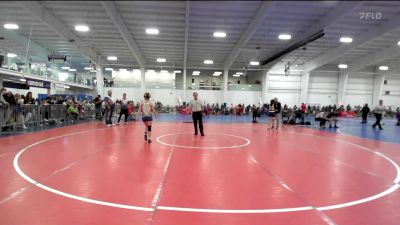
{"points": [[146, 109], [109, 106], [196, 106], [378, 112]]}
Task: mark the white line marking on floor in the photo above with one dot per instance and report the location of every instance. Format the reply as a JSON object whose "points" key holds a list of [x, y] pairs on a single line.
{"points": [[393, 188], [205, 147]]}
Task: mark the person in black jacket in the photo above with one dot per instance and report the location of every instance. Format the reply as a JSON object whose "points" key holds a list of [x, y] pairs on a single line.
{"points": [[365, 110], [278, 113]]}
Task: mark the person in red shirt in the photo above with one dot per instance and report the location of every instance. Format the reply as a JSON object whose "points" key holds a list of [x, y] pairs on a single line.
{"points": [[303, 108]]}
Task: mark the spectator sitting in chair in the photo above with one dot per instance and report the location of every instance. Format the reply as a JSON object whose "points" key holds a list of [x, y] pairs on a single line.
{"points": [[73, 111], [332, 116], [299, 114], [321, 117], [398, 116]]}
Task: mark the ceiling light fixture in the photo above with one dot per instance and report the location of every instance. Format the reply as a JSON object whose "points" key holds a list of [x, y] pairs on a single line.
{"points": [[236, 75], [11, 26], [219, 34], [285, 36], [177, 71], [112, 58], [254, 63], [240, 73], [122, 69], [72, 70], [346, 39], [11, 55], [88, 68], [161, 60], [152, 31], [216, 73], [22, 79], [383, 68], [342, 66], [164, 71], [65, 67], [109, 69], [208, 61], [82, 28]]}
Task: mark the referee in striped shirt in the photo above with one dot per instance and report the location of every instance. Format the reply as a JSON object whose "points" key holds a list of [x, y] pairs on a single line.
{"points": [[197, 107]]}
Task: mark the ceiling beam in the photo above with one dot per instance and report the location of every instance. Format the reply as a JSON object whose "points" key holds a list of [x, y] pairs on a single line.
{"points": [[46, 17], [339, 11], [374, 58], [388, 26], [186, 34], [118, 21], [256, 22]]}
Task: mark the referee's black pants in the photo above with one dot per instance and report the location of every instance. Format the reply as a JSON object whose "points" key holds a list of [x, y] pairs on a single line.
{"points": [[378, 117], [198, 117]]}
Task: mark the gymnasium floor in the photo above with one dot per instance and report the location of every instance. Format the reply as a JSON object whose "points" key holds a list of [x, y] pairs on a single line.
{"points": [[239, 173]]}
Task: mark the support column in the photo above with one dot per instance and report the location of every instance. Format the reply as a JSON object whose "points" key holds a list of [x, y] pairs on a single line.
{"points": [[264, 86], [342, 86], [184, 85], [52, 90], [305, 78], [378, 88], [225, 86], [99, 80], [142, 80]]}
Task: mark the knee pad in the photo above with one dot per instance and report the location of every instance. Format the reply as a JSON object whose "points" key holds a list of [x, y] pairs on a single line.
{"points": [[149, 128]]}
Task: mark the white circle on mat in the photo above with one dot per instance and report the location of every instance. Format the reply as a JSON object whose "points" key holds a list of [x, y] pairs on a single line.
{"points": [[246, 141], [395, 185]]}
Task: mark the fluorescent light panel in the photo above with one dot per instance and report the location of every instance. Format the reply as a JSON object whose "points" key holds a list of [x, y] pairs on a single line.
{"points": [[342, 66], [109, 69], [161, 60], [112, 58], [11, 26], [346, 39], [285, 36], [383, 68], [82, 28], [11, 55], [152, 31], [254, 63], [219, 34], [208, 61]]}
